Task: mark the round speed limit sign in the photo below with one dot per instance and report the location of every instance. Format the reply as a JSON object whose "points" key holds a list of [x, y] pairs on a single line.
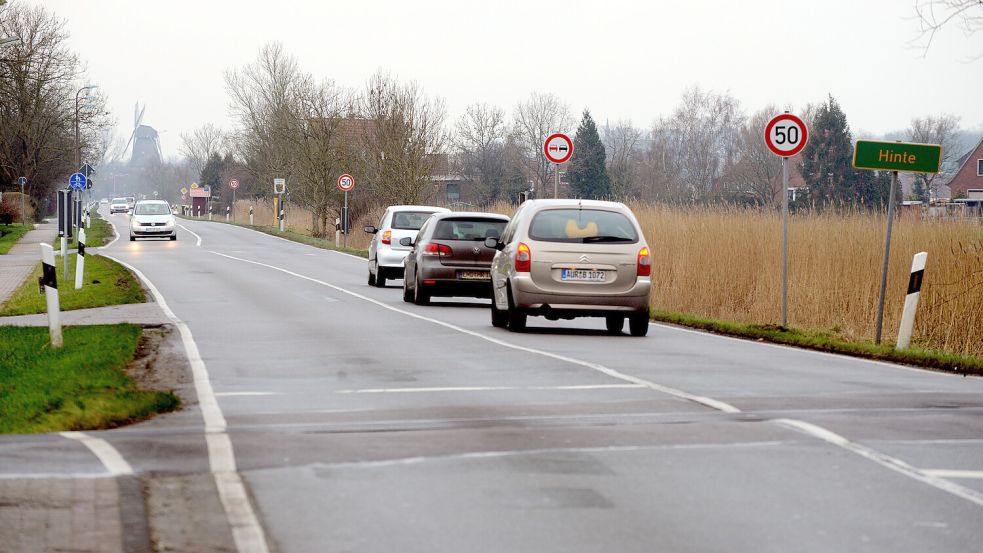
{"points": [[786, 135]]}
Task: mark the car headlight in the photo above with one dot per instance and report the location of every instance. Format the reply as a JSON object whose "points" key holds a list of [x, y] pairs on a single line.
{"points": [[171, 222]]}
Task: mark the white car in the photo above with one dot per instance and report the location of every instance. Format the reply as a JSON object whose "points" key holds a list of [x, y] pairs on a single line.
{"points": [[386, 254], [119, 205], [152, 218]]}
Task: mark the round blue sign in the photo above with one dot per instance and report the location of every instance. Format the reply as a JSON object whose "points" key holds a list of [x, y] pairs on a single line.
{"points": [[77, 181]]}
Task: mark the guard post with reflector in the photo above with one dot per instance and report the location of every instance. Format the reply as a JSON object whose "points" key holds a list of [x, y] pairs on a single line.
{"points": [[80, 260], [911, 299], [49, 283]]}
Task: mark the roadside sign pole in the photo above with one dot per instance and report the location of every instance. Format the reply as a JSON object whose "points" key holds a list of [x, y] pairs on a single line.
{"points": [[784, 241], [556, 181], [23, 213], [887, 257], [233, 204], [345, 222], [346, 183]]}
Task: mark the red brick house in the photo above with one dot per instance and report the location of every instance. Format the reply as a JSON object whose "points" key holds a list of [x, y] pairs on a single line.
{"points": [[970, 173]]}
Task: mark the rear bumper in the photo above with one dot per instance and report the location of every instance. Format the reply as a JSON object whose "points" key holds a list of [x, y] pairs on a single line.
{"points": [[390, 258], [528, 296]]}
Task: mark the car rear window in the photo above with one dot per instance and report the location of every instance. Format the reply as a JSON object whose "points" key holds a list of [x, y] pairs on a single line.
{"points": [[582, 226], [119, 200], [151, 209], [468, 229], [410, 220]]}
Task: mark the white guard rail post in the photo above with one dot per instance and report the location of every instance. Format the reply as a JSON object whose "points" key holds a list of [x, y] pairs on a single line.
{"points": [[49, 281], [80, 260], [911, 300]]}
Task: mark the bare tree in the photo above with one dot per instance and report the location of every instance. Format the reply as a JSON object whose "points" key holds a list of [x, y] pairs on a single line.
{"points": [[533, 121], [198, 145], [402, 139], [933, 15], [755, 174], [39, 77], [479, 151], [696, 143], [943, 130], [622, 143]]}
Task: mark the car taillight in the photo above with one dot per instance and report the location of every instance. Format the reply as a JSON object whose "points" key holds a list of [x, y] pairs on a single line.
{"points": [[523, 259], [644, 262], [387, 237], [434, 248]]}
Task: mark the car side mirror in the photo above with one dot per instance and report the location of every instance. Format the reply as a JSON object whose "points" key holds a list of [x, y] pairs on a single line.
{"points": [[493, 243], [370, 229], [406, 241]]}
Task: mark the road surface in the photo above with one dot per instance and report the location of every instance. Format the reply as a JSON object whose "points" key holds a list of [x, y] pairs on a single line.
{"points": [[332, 416]]}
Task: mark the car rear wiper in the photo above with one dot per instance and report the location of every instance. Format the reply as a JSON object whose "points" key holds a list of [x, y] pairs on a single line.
{"points": [[605, 238]]}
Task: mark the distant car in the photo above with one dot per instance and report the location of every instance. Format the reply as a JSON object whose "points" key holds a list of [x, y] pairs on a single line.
{"points": [[449, 256], [386, 254], [152, 218], [561, 259], [104, 201], [131, 201], [119, 205]]}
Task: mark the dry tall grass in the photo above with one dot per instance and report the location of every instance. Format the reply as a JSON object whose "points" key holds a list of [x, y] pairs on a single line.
{"points": [[725, 263]]}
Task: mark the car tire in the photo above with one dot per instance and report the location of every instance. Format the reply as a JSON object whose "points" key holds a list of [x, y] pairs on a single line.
{"points": [[615, 324], [516, 317], [638, 323], [407, 293], [133, 238], [380, 277], [420, 296], [173, 237], [371, 278], [500, 319]]}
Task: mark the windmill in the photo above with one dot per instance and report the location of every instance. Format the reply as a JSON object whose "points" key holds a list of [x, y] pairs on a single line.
{"points": [[145, 141]]}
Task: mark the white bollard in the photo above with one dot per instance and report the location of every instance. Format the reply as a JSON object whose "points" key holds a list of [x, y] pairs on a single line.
{"points": [[227, 214], [337, 231], [80, 261], [911, 300], [50, 282], [250, 215], [281, 220]]}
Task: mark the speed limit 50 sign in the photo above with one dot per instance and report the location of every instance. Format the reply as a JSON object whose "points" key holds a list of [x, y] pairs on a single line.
{"points": [[786, 135]]}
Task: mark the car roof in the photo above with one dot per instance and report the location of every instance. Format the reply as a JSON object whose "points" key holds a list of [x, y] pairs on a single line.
{"points": [[152, 202], [417, 208], [575, 203], [472, 214]]}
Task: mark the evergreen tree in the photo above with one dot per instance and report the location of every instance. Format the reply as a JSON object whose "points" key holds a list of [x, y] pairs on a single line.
{"points": [[211, 174], [827, 159], [588, 173]]}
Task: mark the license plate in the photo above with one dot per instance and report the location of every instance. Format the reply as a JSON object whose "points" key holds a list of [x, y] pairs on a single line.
{"points": [[473, 275], [582, 275]]}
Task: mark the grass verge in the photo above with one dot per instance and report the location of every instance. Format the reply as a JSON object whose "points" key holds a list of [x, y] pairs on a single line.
{"points": [[11, 234], [322, 243], [78, 387], [820, 341], [99, 234], [106, 283]]}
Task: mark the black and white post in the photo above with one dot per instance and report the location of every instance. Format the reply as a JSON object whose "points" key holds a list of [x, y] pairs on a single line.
{"points": [[80, 261], [911, 300], [228, 209], [250, 215], [49, 281]]}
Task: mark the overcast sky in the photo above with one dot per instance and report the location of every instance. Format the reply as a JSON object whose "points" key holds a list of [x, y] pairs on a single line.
{"points": [[620, 59]]}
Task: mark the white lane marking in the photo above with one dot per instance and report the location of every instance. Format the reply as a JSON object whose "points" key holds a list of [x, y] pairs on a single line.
{"points": [[811, 429], [709, 402], [115, 235], [54, 476], [953, 473], [246, 394], [192, 232], [884, 460], [246, 530], [362, 259], [488, 389], [518, 452], [115, 464]]}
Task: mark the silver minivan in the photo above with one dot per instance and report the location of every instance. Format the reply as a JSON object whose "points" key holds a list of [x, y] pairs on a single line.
{"points": [[562, 259], [386, 254]]}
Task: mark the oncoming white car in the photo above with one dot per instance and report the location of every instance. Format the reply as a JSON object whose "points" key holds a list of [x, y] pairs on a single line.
{"points": [[152, 218]]}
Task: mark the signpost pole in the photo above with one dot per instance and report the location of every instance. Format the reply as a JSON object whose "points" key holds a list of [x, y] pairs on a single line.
{"points": [[344, 222], [233, 204], [556, 180], [784, 241], [23, 213], [887, 257]]}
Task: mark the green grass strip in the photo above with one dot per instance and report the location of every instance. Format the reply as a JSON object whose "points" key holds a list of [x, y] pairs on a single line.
{"points": [[99, 234], [933, 359], [10, 234], [106, 283], [81, 386], [322, 243]]}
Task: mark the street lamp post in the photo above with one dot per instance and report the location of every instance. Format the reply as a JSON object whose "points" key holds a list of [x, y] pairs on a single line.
{"points": [[78, 148]]}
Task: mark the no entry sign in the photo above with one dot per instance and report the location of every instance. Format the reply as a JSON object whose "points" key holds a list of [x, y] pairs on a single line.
{"points": [[786, 135], [346, 182], [558, 148]]}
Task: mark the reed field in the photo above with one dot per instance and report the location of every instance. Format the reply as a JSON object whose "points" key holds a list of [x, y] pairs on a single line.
{"points": [[724, 263]]}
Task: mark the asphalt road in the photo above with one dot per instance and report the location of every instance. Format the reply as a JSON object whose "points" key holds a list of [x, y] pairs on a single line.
{"points": [[358, 422]]}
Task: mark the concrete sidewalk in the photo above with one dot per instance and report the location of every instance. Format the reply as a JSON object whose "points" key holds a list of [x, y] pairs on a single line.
{"points": [[17, 265], [147, 314]]}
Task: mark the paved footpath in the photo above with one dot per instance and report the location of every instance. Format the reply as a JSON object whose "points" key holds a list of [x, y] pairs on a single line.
{"points": [[16, 265]]}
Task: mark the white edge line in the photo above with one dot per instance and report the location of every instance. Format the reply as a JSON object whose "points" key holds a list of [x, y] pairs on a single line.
{"points": [[115, 235], [489, 389], [115, 464], [246, 394], [955, 473], [246, 530], [882, 459], [197, 244], [810, 429], [708, 402]]}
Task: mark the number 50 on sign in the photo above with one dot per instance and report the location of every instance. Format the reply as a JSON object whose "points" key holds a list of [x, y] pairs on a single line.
{"points": [[786, 135]]}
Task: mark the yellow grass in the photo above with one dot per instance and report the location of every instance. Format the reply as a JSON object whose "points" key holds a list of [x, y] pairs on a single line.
{"points": [[725, 263]]}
